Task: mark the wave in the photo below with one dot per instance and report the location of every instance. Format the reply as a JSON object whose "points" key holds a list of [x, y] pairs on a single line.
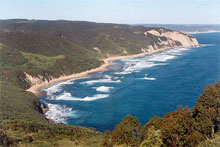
{"points": [[107, 79], [174, 52], [203, 45], [136, 59], [57, 87], [161, 58], [146, 78], [95, 97], [101, 81], [59, 114], [103, 89], [136, 64], [68, 96], [131, 67]]}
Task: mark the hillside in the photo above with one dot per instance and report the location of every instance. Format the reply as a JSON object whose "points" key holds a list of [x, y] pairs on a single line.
{"points": [[50, 49]]}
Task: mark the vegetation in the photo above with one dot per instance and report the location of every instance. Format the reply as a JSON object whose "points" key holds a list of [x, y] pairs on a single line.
{"points": [[127, 131], [54, 48], [213, 142], [183, 127]]}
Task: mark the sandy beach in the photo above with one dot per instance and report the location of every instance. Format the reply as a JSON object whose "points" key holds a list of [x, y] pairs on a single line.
{"points": [[107, 62]]}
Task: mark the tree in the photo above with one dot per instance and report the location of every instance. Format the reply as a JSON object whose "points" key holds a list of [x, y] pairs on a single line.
{"points": [[207, 111], [153, 138], [127, 131], [106, 142]]}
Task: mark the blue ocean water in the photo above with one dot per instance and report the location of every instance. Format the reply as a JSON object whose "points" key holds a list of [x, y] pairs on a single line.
{"points": [[143, 87]]}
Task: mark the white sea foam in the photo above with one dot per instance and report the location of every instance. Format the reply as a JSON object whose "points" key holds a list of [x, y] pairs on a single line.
{"points": [[203, 45], [161, 58], [146, 78], [106, 79], [57, 87], [58, 113], [175, 52], [137, 64], [64, 96], [131, 67], [53, 89], [101, 81], [95, 97], [103, 88], [68, 96], [131, 59]]}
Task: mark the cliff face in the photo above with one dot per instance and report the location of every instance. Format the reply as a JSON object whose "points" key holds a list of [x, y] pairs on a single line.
{"points": [[169, 39], [35, 80]]}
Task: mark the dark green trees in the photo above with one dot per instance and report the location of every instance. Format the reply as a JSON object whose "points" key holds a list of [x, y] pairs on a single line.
{"points": [[183, 127], [106, 142], [207, 111], [127, 131], [153, 138]]}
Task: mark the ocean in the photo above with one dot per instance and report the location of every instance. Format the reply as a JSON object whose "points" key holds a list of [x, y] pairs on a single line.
{"points": [[144, 87]]}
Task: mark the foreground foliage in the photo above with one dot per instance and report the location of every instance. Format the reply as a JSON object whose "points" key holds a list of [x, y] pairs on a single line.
{"points": [[183, 127]]}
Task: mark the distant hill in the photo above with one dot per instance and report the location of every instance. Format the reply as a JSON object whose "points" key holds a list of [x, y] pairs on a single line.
{"points": [[187, 27]]}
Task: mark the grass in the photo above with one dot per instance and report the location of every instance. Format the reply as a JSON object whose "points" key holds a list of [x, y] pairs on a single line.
{"points": [[41, 61], [214, 142]]}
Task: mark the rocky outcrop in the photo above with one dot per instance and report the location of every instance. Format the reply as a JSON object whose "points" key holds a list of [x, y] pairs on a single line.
{"points": [[36, 80], [40, 107], [169, 39]]}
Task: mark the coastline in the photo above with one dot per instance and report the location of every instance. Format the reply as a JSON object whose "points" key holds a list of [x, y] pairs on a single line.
{"points": [[107, 62], [197, 32]]}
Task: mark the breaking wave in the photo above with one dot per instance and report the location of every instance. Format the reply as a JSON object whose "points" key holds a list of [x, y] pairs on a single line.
{"points": [[103, 88], [68, 96], [146, 78], [136, 64], [131, 67], [59, 114], [162, 57], [57, 87], [106, 79]]}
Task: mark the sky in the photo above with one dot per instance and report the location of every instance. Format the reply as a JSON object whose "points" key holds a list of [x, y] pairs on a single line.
{"points": [[115, 11]]}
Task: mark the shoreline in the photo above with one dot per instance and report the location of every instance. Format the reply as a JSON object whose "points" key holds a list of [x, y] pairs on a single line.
{"points": [[197, 32], [107, 62]]}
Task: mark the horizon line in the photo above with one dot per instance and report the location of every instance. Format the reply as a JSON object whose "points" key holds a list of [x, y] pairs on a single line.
{"points": [[108, 22]]}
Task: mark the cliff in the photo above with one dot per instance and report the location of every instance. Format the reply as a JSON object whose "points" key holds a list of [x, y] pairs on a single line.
{"points": [[174, 38]]}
